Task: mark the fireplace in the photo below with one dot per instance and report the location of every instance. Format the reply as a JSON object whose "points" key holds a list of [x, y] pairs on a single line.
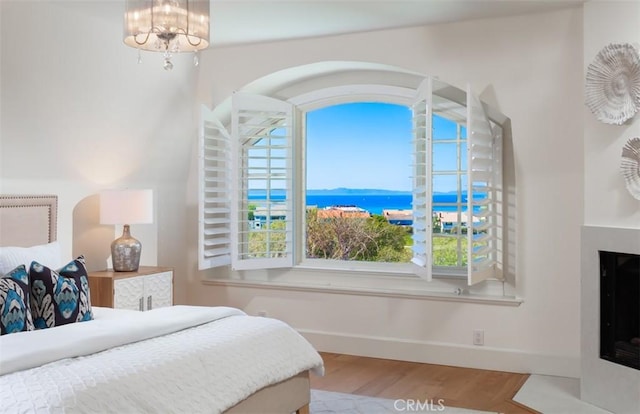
{"points": [[609, 376], [620, 308]]}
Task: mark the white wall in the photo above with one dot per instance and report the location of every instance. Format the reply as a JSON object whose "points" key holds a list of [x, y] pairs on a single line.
{"points": [[530, 68], [607, 201], [80, 115], [608, 206]]}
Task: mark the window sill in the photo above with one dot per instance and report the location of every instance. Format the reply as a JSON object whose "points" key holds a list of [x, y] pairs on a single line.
{"points": [[380, 285]]}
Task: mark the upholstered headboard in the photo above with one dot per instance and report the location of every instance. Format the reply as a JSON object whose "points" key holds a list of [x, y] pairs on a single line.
{"points": [[28, 220]]}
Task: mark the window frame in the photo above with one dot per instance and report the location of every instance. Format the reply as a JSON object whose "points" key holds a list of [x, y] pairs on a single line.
{"points": [[338, 95], [321, 98], [357, 93]]}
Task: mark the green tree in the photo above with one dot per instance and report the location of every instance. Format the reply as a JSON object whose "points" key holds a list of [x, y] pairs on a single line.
{"points": [[268, 242], [388, 254], [390, 240], [339, 238], [350, 238], [320, 238], [445, 251], [437, 223], [252, 209]]}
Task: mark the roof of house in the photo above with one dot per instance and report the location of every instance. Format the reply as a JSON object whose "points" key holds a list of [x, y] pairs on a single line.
{"points": [[398, 214], [343, 211], [452, 217]]}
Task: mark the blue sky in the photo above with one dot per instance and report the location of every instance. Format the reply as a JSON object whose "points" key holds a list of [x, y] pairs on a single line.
{"points": [[368, 145]]}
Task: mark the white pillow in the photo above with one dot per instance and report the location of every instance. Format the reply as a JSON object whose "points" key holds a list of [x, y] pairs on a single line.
{"points": [[46, 254]]}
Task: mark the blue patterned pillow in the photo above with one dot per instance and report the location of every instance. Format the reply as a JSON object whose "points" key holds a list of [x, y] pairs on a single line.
{"points": [[15, 315], [60, 297]]}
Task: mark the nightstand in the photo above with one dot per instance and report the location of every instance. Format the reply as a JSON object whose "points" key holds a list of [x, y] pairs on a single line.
{"points": [[147, 288]]}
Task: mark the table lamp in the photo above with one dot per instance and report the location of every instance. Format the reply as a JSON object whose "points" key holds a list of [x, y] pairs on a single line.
{"points": [[126, 207]]}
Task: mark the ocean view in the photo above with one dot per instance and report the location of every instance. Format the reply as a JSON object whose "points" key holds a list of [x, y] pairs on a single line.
{"points": [[373, 203]]}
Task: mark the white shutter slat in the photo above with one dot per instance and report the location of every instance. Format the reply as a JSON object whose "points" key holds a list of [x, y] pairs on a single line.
{"points": [[422, 179], [262, 151], [482, 226], [215, 199], [484, 273], [217, 210], [484, 187], [218, 254], [480, 174], [213, 168], [213, 221], [219, 242], [214, 225], [482, 250], [213, 231]]}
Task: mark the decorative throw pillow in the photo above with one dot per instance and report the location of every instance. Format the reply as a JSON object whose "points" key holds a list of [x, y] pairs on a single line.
{"points": [[48, 254], [15, 315], [60, 297]]}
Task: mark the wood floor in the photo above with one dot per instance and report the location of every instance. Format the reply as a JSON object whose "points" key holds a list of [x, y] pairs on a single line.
{"points": [[458, 387]]}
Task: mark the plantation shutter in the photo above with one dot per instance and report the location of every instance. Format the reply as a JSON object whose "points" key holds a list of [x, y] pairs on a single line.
{"points": [[214, 227], [422, 197], [484, 191], [262, 160]]}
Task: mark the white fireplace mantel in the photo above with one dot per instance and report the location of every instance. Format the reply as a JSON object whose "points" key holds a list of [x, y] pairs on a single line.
{"points": [[611, 386]]}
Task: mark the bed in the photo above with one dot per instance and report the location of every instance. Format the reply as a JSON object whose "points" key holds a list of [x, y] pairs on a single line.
{"points": [[175, 359]]}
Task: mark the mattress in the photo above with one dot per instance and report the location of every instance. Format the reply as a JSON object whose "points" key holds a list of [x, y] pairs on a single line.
{"points": [[176, 359]]}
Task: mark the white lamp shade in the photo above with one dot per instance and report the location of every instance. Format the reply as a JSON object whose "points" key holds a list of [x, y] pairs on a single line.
{"points": [[126, 207]]}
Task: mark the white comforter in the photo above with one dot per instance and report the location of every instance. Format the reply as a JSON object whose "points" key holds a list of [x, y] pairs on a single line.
{"points": [[205, 360]]}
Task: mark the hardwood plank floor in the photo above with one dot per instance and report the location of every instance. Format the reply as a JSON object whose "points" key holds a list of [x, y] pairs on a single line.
{"points": [[458, 387]]}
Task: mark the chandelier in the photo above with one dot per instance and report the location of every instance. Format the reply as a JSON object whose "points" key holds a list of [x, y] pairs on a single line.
{"points": [[168, 26]]}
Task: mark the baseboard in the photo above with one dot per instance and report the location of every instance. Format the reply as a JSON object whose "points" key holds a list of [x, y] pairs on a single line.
{"points": [[481, 357]]}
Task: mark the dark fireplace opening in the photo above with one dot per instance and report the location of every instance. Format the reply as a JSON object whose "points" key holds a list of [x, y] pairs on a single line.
{"points": [[620, 308]]}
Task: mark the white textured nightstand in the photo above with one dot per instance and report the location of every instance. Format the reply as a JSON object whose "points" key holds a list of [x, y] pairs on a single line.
{"points": [[149, 287]]}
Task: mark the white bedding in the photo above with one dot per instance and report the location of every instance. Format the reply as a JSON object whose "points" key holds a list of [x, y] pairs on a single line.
{"points": [[124, 367]]}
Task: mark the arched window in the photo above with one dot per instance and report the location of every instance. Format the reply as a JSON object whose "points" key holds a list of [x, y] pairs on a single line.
{"points": [[257, 170]]}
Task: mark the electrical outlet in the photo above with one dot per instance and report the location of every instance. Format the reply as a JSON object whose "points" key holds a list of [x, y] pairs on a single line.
{"points": [[262, 313], [478, 337]]}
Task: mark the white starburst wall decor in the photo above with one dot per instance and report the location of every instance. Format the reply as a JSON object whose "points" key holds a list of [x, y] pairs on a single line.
{"points": [[612, 90], [630, 166]]}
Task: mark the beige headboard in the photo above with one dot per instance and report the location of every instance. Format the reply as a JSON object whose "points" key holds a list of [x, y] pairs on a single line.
{"points": [[28, 220]]}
